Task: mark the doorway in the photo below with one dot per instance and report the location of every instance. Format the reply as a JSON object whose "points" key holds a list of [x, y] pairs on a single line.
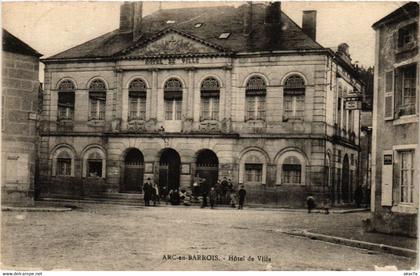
{"points": [[133, 171], [169, 169], [208, 166]]}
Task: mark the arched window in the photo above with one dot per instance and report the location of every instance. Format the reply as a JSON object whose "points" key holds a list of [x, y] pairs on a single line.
{"points": [[291, 171], [63, 162], [252, 168], [97, 100], [210, 93], [94, 163], [291, 167], [173, 99], [137, 98], [66, 92], [255, 98], [294, 98]]}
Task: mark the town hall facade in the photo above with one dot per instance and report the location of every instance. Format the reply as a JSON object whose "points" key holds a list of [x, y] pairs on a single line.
{"points": [[237, 92]]}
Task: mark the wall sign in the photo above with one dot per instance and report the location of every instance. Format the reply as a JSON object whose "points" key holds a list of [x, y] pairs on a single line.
{"points": [[185, 168], [165, 61], [148, 167], [387, 159]]}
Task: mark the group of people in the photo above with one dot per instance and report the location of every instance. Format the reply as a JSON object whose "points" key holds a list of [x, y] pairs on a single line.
{"points": [[151, 193], [221, 192]]}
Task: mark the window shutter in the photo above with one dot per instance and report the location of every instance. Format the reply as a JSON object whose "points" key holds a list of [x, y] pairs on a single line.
{"points": [[389, 96], [387, 178]]}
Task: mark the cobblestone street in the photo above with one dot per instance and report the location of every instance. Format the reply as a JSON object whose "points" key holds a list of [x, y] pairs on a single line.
{"points": [[115, 237]]}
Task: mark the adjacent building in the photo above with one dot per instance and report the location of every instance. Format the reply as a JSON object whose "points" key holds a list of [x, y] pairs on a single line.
{"points": [[237, 92], [394, 197], [20, 94]]}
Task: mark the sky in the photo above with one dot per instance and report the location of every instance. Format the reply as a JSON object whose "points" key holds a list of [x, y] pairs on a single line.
{"points": [[52, 27]]}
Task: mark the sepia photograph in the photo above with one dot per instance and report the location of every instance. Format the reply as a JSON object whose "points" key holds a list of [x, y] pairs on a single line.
{"points": [[209, 136]]}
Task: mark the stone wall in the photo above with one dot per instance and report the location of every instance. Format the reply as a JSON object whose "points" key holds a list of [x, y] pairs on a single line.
{"points": [[20, 88]]}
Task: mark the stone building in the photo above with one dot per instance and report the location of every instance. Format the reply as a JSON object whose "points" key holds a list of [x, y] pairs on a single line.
{"points": [[237, 92], [394, 197], [20, 92]]}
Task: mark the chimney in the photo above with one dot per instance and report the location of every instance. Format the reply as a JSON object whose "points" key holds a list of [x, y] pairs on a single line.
{"points": [[272, 24], [126, 17], [131, 18], [248, 18], [273, 13], [137, 20], [309, 23]]}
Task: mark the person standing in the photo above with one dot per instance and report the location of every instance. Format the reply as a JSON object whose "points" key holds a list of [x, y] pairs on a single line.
{"points": [[147, 191], [241, 194], [310, 202], [153, 194], [213, 197], [204, 192]]}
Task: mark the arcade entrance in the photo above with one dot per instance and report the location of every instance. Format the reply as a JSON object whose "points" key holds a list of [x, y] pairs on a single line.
{"points": [[133, 171], [208, 166], [169, 169]]}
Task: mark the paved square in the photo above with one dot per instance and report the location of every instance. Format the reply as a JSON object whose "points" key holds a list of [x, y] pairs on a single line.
{"points": [[115, 237]]}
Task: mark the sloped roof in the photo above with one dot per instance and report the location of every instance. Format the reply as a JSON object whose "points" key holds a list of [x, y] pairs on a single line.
{"points": [[215, 20], [410, 9], [13, 44]]}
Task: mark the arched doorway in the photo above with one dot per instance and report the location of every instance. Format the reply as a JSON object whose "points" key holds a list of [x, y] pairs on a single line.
{"points": [[207, 166], [169, 169], [345, 186], [133, 171]]}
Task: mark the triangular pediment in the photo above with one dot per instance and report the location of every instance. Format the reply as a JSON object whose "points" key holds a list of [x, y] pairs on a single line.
{"points": [[172, 43]]}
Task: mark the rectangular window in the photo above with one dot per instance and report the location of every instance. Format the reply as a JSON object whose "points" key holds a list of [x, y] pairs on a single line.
{"points": [[137, 108], [173, 109], [210, 108], [205, 108], [178, 109], [351, 121], [407, 37], [405, 90], [214, 108], [94, 168], [345, 125], [291, 174], [255, 107], [250, 108], [65, 105], [253, 173], [339, 113], [294, 106], [63, 167], [406, 176], [260, 108], [97, 105]]}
